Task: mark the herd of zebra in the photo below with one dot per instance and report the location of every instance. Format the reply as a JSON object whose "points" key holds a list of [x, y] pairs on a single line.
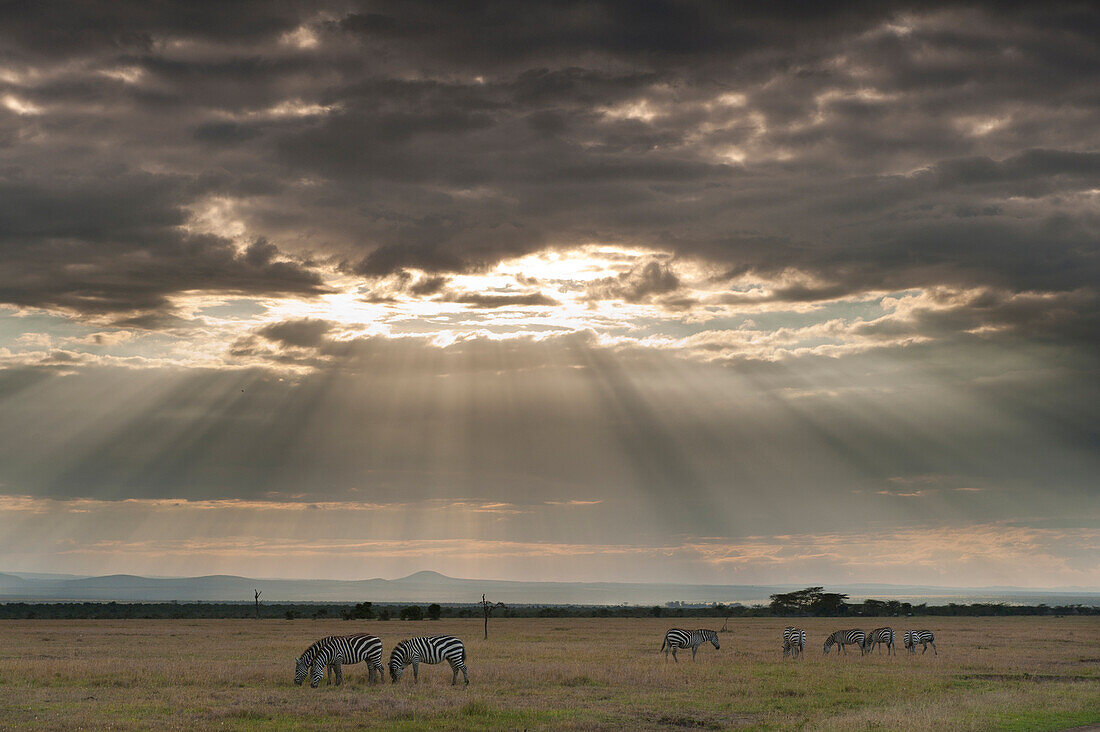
{"points": [[794, 640], [332, 653]]}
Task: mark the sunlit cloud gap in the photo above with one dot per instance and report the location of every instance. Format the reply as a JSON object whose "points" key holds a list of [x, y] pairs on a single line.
{"points": [[622, 297]]}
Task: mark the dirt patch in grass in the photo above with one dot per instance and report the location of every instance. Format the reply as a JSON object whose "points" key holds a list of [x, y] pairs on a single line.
{"points": [[1028, 677]]}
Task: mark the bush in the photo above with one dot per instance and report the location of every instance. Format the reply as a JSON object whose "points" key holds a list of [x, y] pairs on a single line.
{"points": [[412, 612], [434, 611]]}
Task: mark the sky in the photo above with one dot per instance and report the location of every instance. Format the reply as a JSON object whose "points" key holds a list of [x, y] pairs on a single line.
{"points": [[617, 290]]}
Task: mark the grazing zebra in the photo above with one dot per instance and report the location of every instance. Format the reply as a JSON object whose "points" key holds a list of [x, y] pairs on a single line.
{"points": [[885, 636], [794, 641], [679, 638], [433, 649], [337, 650], [844, 638], [912, 637], [304, 661]]}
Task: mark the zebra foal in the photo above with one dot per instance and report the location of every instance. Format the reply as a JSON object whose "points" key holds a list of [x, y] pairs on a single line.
{"points": [[794, 641], [680, 638], [336, 650], [432, 649], [843, 638]]}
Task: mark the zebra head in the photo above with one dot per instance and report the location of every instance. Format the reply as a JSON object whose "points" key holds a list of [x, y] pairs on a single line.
{"points": [[714, 639], [398, 661], [301, 668], [829, 643], [320, 661]]}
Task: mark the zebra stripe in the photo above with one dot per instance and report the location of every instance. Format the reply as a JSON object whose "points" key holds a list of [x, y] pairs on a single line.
{"points": [[844, 638], [338, 650], [680, 638], [924, 637], [433, 649], [303, 663], [885, 636], [794, 641]]}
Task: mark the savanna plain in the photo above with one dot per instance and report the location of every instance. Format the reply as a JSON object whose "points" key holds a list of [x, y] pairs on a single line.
{"points": [[581, 674]]}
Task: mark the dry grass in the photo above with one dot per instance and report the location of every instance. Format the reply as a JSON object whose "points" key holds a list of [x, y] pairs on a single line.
{"points": [[1010, 673]]}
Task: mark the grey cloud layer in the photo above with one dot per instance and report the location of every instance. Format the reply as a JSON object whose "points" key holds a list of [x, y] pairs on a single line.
{"points": [[882, 145]]}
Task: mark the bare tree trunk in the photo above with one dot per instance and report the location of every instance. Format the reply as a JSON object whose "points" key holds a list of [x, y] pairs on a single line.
{"points": [[488, 608]]}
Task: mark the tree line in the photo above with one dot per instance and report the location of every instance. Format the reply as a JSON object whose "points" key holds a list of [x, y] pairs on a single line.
{"points": [[809, 602]]}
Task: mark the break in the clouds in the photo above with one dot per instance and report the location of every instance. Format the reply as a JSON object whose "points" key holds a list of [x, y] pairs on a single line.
{"points": [[692, 263]]}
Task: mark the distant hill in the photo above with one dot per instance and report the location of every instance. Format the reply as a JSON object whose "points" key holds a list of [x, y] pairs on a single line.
{"points": [[427, 586]]}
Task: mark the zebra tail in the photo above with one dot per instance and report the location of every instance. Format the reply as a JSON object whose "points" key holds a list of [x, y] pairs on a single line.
{"points": [[663, 643]]}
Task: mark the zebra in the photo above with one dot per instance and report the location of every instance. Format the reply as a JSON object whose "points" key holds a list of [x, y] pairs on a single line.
{"points": [[885, 636], [432, 649], [844, 638], [337, 650], [303, 663], [794, 641], [912, 637], [680, 638]]}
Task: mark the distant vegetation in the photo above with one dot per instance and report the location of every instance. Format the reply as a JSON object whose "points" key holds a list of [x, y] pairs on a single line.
{"points": [[811, 601]]}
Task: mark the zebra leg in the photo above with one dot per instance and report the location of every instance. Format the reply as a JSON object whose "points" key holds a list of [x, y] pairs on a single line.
{"points": [[674, 655], [454, 675], [416, 672], [694, 649], [339, 674], [465, 676], [934, 648]]}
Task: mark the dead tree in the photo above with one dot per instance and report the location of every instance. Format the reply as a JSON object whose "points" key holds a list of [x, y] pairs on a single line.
{"points": [[257, 593], [488, 608]]}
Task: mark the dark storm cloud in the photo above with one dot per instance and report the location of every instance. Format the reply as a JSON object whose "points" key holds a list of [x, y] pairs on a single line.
{"points": [[304, 333], [491, 300], [44, 30], [868, 145], [640, 284]]}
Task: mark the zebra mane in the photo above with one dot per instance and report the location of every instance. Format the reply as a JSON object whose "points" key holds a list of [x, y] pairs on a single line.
{"points": [[310, 652]]}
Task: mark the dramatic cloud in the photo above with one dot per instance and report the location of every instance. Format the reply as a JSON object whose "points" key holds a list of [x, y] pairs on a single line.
{"points": [[674, 253]]}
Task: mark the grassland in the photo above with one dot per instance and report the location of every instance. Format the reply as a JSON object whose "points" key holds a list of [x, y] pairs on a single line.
{"points": [[996, 673]]}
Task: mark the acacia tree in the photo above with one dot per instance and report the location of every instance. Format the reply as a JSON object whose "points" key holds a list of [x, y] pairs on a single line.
{"points": [[810, 601]]}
